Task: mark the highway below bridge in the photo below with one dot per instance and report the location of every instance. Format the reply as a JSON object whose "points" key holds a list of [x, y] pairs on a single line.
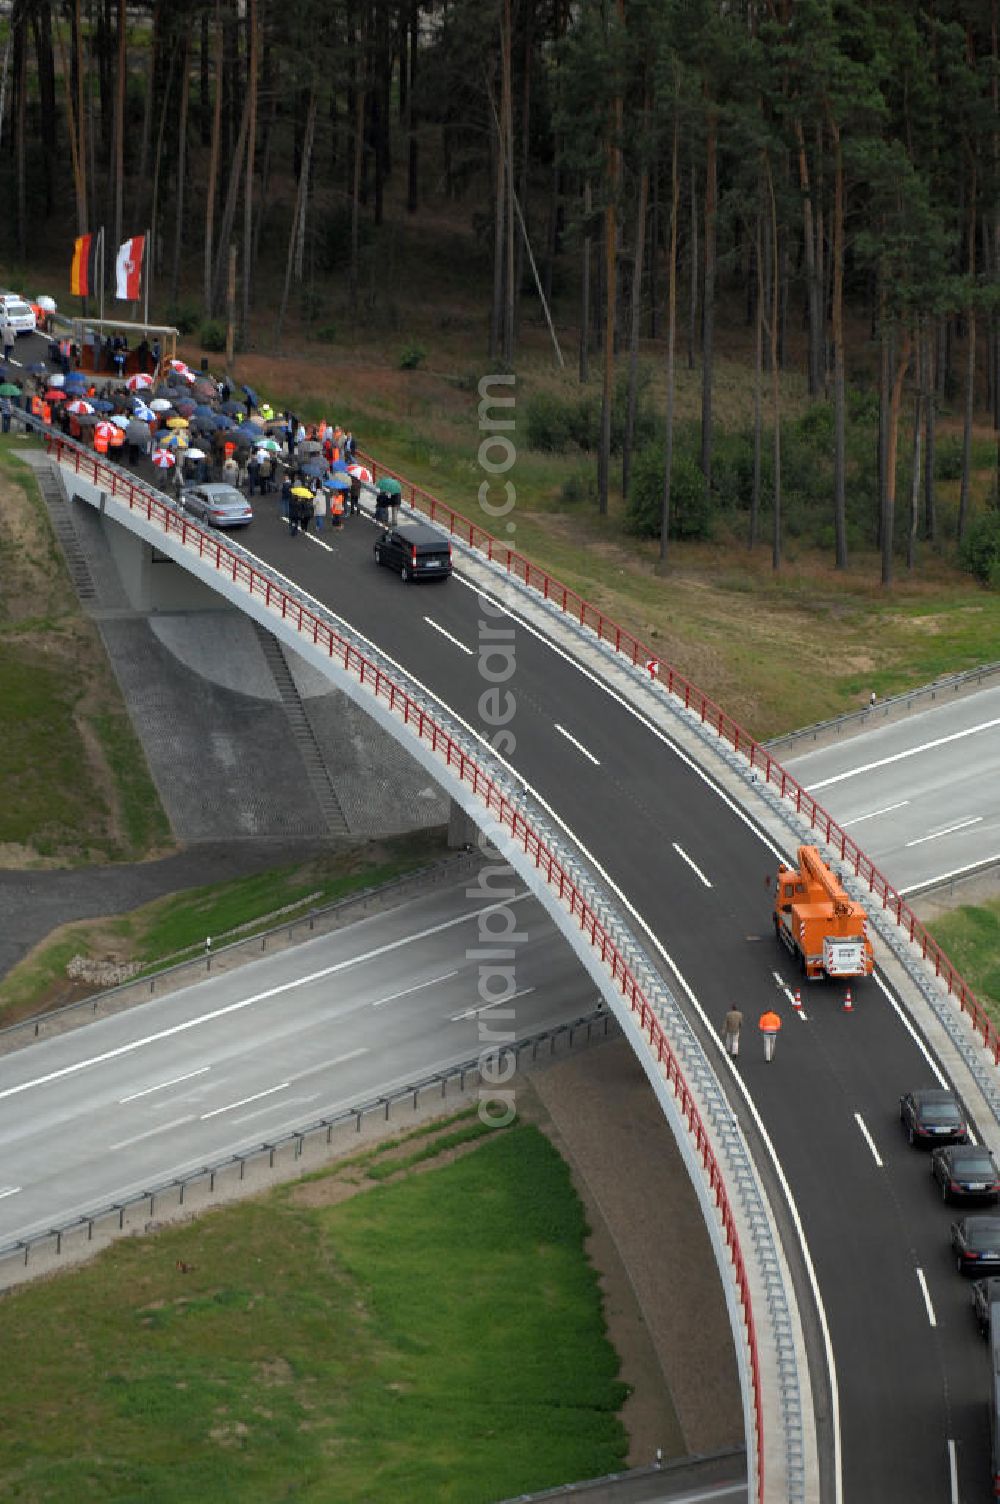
{"points": [[908, 1403]]}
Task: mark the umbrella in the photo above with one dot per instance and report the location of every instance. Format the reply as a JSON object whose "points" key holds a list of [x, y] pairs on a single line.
{"points": [[75, 378], [178, 440], [46, 304], [163, 459], [38, 369], [309, 446], [234, 409], [101, 405], [390, 487], [78, 407], [195, 454], [202, 410], [314, 467], [58, 379], [181, 367], [338, 483], [360, 472], [223, 421], [140, 410], [120, 421], [251, 396], [339, 465], [52, 395], [185, 406], [8, 389], [164, 390], [248, 430], [205, 390], [137, 431], [303, 491], [161, 405], [177, 422], [140, 382], [88, 420], [269, 446]]}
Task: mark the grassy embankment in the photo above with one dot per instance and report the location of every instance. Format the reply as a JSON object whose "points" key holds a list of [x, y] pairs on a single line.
{"points": [[435, 1337]]}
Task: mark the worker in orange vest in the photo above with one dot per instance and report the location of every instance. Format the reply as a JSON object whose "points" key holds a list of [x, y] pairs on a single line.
{"points": [[770, 1027]]}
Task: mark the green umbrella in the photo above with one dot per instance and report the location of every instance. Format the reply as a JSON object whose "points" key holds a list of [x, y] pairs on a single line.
{"points": [[390, 487], [8, 389]]}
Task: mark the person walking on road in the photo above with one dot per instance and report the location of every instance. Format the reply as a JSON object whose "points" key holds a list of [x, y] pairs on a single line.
{"points": [[731, 1030], [770, 1027]]}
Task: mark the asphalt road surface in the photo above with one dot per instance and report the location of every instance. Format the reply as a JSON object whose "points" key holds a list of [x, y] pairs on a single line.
{"points": [[912, 1371], [921, 795], [134, 1100]]}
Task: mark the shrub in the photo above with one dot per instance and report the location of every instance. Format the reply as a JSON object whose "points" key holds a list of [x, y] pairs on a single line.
{"points": [[979, 551], [213, 335], [690, 505], [948, 458], [579, 487], [185, 318], [412, 358], [551, 425]]}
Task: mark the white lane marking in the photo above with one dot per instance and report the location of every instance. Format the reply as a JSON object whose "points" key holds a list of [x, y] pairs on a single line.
{"points": [[886, 809], [257, 997], [11, 1190], [578, 745], [314, 539], [284, 1085], [485, 1008], [944, 877], [325, 1065], [445, 976], [953, 1471], [123, 1143], [694, 868], [783, 987], [884, 762], [174, 1081], [927, 1297], [947, 831], [453, 640], [868, 1140]]}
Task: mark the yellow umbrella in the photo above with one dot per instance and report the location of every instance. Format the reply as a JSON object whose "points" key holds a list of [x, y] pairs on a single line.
{"points": [[303, 491], [177, 422]]}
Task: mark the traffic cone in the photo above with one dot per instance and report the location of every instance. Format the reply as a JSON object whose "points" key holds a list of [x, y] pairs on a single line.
{"points": [[797, 1001], [848, 1004]]}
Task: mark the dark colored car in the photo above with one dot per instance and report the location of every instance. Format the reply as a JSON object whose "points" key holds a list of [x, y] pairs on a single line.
{"points": [[217, 504], [414, 551], [966, 1170], [985, 1296], [976, 1242], [933, 1116]]}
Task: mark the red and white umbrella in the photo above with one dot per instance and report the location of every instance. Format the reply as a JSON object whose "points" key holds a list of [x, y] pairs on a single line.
{"points": [[183, 368], [140, 382], [360, 472], [79, 408], [163, 459]]}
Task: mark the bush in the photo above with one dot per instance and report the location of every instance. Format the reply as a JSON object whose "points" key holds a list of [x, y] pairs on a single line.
{"points": [[551, 423], [185, 318], [213, 335], [412, 358], [579, 487], [979, 551], [690, 505], [948, 458]]}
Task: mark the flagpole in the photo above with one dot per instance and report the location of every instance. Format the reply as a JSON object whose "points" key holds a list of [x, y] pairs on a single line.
{"points": [[147, 258]]}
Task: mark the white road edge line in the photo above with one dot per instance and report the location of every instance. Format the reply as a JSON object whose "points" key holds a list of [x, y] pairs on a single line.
{"points": [[921, 1281], [11, 1190], [137, 1138], [873, 814], [884, 762], [453, 640], [446, 976], [694, 867], [257, 997], [953, 1471], [175, 1081], [244, 1100], [485, 1008], [947, 831], [578, 745], [328, 1064], [869, 1140]]}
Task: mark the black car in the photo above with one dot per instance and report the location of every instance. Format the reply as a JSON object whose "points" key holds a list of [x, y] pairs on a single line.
{"points": [[985, 1295], [933, 1116], [966, 1170], [976, 1242], [415, 551]]}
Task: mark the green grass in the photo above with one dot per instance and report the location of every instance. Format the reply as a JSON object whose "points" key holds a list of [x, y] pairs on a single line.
{"points": [[438, 1340], [180, 922], [971, 938]]}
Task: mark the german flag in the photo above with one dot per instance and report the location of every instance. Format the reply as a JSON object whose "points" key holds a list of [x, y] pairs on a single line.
{"points": [[81, 276]]}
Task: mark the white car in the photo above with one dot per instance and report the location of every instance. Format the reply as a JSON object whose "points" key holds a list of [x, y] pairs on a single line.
{"points": [[17, 313]]}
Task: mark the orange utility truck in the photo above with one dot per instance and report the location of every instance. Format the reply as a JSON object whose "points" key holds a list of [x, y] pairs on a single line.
{"points": [[819, 922]]}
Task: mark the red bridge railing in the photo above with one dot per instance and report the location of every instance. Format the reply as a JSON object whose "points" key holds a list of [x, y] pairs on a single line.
{"points": [[519, 567], [211, 548]]}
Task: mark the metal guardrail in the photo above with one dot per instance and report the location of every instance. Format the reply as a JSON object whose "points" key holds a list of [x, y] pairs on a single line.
{"points": [[862, 720], [599, 1023], [114, 999], [663, 1026]]}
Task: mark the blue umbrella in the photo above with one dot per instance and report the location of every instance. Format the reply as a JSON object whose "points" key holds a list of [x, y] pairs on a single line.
{"points": [[39, 369], [249, 430], [222, 420], [101, 405], [203, 411], [140, 410], [338, 483], [339, 465], [314, 467]]}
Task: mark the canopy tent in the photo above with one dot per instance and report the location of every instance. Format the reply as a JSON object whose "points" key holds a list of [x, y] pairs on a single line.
{"points": [[91, 336]]}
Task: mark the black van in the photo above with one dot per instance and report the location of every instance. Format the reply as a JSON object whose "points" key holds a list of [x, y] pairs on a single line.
{"points": [[415, 551]]}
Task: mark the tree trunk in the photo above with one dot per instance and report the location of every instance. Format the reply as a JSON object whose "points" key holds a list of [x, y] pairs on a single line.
{"points": [[412, 163], [42, 25], [213, 164], [296, 238], [21, 94], [359, 153], [930, 437], [891, 449], [668, 447], [970, 372], [175, 273], [708, 308], [158, 158], [911, 536], [229, 208], [816, 320], [693, 300], [633, 347], [776, 541], [839, 375], [507, 138], [758, 387], [585, 289], [499, 203], [253, 39], [119, 126]]}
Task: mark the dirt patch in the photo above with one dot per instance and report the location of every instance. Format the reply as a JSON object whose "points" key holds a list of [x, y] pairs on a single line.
{"points": [[347, 1181]]}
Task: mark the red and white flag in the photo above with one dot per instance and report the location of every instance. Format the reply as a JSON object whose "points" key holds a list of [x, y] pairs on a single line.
{"points": [[128, 268]]}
